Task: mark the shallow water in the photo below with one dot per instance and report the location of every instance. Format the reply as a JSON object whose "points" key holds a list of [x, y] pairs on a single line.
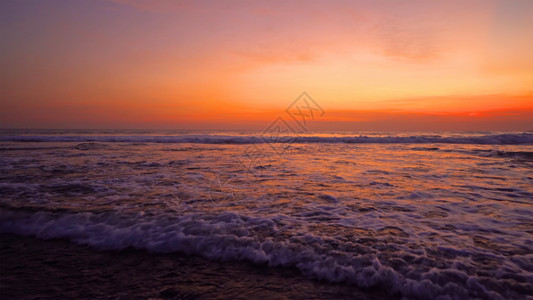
{"points": [[58, 269], [417, 216]]}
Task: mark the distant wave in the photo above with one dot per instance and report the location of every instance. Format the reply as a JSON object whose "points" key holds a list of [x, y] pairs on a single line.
{"points": [[490, 139]]}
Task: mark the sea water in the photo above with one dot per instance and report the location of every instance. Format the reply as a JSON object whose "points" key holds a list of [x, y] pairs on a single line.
{"points": [[417, 215]]}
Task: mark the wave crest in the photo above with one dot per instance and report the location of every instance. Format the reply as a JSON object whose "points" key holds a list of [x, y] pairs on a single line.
{"points": [[228, 236], [491, 139]]}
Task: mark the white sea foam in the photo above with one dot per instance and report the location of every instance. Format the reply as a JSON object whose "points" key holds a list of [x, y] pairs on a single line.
{"points": [[229, 236]]}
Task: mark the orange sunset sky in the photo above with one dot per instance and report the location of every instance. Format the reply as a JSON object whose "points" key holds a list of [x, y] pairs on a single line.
{"points": [[371, 65]]}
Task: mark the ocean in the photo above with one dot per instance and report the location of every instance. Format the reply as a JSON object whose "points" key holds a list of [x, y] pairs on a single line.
{"points": [[255, 215]]}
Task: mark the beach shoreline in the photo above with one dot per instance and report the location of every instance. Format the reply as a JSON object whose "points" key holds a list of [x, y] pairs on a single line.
{"points": [[35, 268]]}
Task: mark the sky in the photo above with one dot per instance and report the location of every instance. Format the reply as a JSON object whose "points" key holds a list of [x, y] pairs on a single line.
{"points": [[370, 65]]}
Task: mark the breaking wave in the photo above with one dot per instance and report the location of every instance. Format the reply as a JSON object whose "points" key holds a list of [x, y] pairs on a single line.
{"points": [[229, 236]]}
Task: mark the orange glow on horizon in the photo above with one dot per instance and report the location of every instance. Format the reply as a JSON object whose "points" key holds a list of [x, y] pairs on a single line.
{"points": [[167, 64]]}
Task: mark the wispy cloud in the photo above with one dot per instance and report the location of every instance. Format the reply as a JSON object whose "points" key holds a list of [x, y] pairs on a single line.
{"points": [[461, 103], [155, 6]]}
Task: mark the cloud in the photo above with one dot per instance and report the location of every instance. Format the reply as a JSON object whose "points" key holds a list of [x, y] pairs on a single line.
{"points": [[505, 120], [462, 103], [155, 6], [413, 44]]}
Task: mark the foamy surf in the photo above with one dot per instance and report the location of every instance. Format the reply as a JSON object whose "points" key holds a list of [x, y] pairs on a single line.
{"points": [[229, 236]]}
